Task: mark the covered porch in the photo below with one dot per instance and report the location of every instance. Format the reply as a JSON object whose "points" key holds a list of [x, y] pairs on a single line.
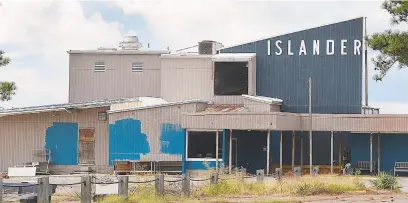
{"points": [[281, 140]]}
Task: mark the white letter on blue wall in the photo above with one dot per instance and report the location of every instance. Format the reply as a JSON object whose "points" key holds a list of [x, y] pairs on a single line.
{"points": [[330, 43], [269, 47], [289, 52], [357, 45], [316, 47], [343, 47], [278, 47], [302, 48]]}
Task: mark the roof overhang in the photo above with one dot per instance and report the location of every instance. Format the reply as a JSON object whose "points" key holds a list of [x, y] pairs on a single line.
{"points": [[361, 123], [233, 57]]}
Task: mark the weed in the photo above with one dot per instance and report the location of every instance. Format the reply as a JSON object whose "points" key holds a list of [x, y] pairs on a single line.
{"points": [[386, 181]]}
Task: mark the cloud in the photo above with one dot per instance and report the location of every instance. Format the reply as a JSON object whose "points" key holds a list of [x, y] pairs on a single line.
{"points": [[38, 34]]}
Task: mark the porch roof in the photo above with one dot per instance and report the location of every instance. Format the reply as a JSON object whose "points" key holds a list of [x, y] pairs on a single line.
{"points": [[376, 123]]}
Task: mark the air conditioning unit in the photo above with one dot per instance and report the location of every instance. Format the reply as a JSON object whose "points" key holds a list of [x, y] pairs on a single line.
{"points": [[208, 47]]}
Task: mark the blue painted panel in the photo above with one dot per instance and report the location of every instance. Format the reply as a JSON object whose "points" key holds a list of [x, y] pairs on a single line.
{"points": [[126, 141], [183, 156], [225, 147], [62, 140], [337, 79], [360, 148], [172, 139], [200, 165], [393, 149]]}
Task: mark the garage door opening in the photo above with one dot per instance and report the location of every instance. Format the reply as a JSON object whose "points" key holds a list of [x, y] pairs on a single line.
{"points": [[230, 78]]}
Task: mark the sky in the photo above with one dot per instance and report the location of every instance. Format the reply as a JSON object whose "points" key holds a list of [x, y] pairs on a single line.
{"points": [[37, 34]]}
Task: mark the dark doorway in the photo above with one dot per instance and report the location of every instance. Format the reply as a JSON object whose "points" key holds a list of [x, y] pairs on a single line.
{"points": [[230, 78], [203, 145]]}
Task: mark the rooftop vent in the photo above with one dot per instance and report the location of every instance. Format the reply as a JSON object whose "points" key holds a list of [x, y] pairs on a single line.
{"points": [[130, 43], [208, 47]]}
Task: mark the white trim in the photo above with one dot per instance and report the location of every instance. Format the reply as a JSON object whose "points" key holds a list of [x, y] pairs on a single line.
{"points": [[203, 159], [268, 100]]}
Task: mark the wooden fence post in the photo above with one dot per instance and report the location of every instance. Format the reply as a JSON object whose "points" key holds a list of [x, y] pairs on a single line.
{"points": [[186, 185], [214, 178], [86, 189], [260, 175], [43, 188], [123, 186], [159, 184], [243, 174]]}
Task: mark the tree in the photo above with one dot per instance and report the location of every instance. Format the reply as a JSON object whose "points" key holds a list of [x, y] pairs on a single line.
{"points": [[392, 45], [7, 89]]}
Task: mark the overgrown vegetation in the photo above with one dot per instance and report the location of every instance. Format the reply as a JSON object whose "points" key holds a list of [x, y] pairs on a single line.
{"points": [[235, 187], [386, 181]]}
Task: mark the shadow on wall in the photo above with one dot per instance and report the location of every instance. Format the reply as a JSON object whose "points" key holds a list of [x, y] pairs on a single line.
{"points": [[62, 140], [126, 140]]}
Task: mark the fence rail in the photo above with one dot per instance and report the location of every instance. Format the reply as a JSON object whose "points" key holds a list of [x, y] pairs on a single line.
{"points": [[42, 190]]}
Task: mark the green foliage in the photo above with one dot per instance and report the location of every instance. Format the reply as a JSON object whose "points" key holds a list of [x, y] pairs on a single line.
{"points": [[7, 89], [234, 187], [392, 45], [386, 181], [316, 186], [358, 172]]}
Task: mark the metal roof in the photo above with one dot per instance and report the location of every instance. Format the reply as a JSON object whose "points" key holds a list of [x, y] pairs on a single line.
{"points": [[225, 108], [268, 100], [112, 51], [64, 107], [233, 57], [158, 105]]}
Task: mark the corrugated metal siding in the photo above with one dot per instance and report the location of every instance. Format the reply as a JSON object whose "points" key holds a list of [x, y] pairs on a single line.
{"points": [[186, 78], [337, 79], [21, 134], [118, 80], [152, 120], [298, 122], [192, 78]]}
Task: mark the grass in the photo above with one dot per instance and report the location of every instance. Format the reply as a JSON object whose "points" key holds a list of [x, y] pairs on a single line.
{"points": [[226, 188]]}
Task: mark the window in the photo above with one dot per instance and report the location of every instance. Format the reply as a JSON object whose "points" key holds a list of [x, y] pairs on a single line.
{"points": [[99, 66], [202, 145], [230, 78], [137, 67], [102, 116]]}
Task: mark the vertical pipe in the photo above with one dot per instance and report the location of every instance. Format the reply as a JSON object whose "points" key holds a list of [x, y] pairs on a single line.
{"points": [[371, 153], [331, 153], [230, 152], [378, 153], [365, 63], [310, 128], [280, 154], [268, 141], [216, 150], [293, 150]]}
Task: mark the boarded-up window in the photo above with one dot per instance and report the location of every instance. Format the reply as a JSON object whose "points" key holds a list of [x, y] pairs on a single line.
{"points": [[86, 149]]}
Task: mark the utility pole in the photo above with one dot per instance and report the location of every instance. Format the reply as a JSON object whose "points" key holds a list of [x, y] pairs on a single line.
{"points": [[365, 62], [310, 127]]}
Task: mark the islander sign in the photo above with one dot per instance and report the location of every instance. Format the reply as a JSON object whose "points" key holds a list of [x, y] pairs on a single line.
{"points": [[316, 47]]}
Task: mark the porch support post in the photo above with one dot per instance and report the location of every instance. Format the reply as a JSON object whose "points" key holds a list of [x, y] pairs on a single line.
{"points": [[340, 151], [230, 152], [371, 153], [331, 153], [378, 153], [293, 150], [301, 153], [268, 141], [216, 150], [280, 154]]}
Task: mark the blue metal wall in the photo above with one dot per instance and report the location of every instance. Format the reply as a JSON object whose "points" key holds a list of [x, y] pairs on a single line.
{"points": [[62, 140], [337, 79]]}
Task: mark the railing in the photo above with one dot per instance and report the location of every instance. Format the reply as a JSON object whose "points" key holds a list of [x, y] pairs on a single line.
{"points": [[84, 190]]}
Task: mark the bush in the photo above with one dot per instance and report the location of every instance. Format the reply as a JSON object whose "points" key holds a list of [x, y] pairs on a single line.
{"points": [[385, 181]]}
